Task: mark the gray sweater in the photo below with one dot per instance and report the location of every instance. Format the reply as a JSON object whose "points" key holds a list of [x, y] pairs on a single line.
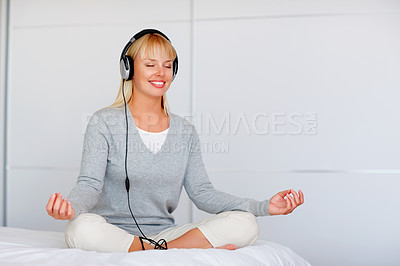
{"points": [[156, 180]]}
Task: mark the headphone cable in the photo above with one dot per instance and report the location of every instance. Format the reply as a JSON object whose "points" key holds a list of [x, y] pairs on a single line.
{"points": [[162, 243]]}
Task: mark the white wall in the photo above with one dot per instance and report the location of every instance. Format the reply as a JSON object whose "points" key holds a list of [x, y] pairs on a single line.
{"points": [[304, 93], [339, 61], [3, 53]]}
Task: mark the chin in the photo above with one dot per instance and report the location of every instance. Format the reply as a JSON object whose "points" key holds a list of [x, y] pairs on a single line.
{"points": [[159, 94]]}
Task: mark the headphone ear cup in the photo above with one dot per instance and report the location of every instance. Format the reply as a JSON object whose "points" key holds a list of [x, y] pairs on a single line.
{"points": [[129, 62], [175, 67]]}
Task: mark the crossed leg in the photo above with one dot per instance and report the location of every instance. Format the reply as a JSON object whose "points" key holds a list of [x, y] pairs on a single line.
{"points": [[192, 239], [227, 230]]}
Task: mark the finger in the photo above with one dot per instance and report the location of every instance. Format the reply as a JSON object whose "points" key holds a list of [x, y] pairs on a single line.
{"points": [[57, 205], [50, 203], [283, 193], [296, 197], [301, 196], [63, 209], [288, 205], [294, 205], [71, 212]]}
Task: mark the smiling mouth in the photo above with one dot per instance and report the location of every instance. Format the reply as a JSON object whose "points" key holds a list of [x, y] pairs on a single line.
{"points": [[157, 84]]}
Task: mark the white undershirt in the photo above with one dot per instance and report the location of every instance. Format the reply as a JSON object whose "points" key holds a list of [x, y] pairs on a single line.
{"points": [[153, 140]]}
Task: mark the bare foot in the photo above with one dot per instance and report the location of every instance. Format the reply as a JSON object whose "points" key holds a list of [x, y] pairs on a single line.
{"points": [[228, 247]]}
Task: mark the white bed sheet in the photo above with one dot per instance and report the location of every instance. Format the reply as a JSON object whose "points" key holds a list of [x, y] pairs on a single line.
{"points": [[32, 247]]}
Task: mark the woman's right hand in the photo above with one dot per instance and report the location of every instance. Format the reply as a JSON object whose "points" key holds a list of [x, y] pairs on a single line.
{"points": [[59, 208]]}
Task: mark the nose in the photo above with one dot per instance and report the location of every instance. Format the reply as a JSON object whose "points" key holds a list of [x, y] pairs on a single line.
{"points": [[160, 71]]}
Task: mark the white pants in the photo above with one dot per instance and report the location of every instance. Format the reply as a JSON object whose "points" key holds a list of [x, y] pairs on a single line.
{"points": [[90, 231]]}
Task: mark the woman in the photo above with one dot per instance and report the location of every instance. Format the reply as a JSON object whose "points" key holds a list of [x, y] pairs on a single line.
{"points": [[139, 159]]}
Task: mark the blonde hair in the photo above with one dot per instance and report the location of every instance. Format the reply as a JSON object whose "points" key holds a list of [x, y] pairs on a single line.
{"points": [[146, 45]]}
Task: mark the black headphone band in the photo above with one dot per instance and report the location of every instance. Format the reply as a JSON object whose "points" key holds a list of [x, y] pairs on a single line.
{"points": [[138, 36]]}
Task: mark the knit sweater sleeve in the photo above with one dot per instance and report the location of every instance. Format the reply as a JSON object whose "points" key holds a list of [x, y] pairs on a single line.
{"points": [[203, 194], [89, 185]]}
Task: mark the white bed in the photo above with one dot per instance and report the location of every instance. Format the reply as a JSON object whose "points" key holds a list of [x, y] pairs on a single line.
{"points": [[31, 247]]}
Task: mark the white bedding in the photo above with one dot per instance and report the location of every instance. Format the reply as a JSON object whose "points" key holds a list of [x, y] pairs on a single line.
{"points": [[31, 247]]}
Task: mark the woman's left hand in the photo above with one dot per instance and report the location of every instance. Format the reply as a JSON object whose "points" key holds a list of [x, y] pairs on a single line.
{"points": [[282, 203]]}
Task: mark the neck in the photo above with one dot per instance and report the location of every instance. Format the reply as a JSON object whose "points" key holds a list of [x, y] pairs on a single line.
{"points": [[146, 106]]}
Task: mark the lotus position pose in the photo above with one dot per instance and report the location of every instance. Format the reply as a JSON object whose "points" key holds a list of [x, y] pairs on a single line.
{"points": [[137, 156]]}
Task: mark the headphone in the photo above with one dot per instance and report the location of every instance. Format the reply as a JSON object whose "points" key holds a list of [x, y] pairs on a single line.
{"points": [[126, 62]]}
